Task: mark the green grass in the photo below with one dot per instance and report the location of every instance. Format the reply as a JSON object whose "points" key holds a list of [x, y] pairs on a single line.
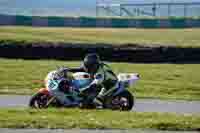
{"points": [[92, 119], [165, 81], [165, 37]]}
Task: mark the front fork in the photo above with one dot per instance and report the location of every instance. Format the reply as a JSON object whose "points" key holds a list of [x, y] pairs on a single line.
{"points": [[46, 92], [50, 100]]}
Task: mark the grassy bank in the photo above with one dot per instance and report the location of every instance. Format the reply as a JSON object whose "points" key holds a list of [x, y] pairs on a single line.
{"points": [[75, 118], [165, 81], [166, 37]]}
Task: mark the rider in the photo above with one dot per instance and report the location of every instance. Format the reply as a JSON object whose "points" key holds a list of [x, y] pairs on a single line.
{"points": [[103, 77]]}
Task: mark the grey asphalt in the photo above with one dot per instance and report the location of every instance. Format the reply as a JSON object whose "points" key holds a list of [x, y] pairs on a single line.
{"points": [[141, 105], [87, 131]]}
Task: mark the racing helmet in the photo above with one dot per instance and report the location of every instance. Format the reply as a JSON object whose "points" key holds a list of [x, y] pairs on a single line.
{"points": [[91, 63]]}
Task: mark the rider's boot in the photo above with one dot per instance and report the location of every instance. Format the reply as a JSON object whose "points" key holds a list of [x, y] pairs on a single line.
{"points": [[98, 102]]}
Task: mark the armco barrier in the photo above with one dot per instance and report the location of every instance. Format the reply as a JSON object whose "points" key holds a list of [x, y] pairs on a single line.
{"points": [[125, 53], [22, 20], [149, 23], [55, 21], [120, 23], [99, 22], [179, 23], [87, 22]]}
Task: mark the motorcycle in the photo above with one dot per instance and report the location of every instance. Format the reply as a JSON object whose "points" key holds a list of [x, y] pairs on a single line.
{"points": [[120, 99]]}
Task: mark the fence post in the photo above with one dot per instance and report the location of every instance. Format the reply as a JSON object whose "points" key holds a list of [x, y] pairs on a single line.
{"points": [[120, 9], [185, 10], [138, 11], [154, 9], [169, 9], [97, 6]]}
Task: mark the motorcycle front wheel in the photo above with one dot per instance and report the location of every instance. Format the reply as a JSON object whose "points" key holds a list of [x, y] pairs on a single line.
{"points": [[40, 100], [123, 101]]}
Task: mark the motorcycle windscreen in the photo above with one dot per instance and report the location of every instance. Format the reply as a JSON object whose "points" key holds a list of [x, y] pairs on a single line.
{"points": [[82, 83]]}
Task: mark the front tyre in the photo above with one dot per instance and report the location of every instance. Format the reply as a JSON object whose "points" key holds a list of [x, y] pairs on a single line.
{"points": [[39, 100], [123, 101]]}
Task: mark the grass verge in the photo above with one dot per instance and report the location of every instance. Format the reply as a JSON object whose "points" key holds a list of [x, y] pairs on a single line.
{"points": [[164, 81], [92, 119], [153, 37]]}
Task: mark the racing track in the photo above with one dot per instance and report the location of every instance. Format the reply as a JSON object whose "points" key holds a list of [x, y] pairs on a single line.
{"points": [[88, 131], [141, 105]]}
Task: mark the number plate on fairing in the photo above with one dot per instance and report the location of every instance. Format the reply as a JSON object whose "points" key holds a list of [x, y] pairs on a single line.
{"points": [[52, 85]]}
